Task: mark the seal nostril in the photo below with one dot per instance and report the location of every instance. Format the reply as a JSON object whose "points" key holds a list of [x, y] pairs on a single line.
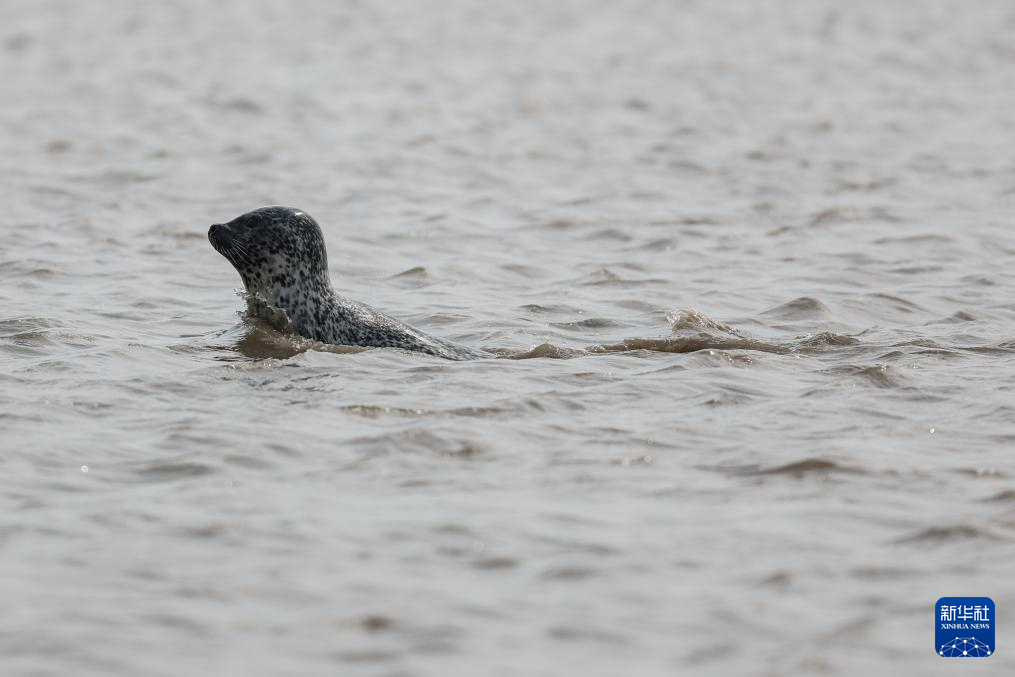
{"points": [[217, 231]]}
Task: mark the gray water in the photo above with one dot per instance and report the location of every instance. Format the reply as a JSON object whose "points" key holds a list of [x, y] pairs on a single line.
{"points": [[757, 257]]}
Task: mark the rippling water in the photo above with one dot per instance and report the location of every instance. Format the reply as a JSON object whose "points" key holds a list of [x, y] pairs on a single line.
{"points": [[759, 253]]}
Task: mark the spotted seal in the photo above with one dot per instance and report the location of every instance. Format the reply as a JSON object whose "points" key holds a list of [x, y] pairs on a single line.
{"points": [[280, 255]]}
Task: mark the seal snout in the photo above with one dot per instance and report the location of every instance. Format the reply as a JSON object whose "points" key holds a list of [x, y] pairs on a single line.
{"points": [[219, 234]]}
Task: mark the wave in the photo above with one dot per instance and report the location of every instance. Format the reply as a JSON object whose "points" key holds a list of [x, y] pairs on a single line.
{"points": [[691, 331]]}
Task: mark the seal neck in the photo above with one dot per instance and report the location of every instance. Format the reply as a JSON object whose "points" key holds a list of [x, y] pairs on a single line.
{"points": [[293, 307]]}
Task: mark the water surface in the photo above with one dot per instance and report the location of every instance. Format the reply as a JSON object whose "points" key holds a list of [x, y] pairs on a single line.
{"points": [[757, 257]]}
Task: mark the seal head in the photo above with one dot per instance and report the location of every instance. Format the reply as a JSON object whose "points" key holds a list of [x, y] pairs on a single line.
{"points": [[280, 255], [274, 249]]}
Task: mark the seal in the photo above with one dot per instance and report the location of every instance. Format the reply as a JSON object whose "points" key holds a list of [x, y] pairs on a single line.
{"points": [[280, 255]]}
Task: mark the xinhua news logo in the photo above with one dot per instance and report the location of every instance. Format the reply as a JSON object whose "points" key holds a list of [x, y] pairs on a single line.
{"points": [[965, 627]]}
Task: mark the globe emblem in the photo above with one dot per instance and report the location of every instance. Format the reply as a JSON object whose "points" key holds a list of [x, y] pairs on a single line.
{"points": [[964, 647]]}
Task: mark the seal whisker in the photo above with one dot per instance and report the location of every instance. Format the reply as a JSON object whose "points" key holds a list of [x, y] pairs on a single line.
{"points": [[239, 252], [241, 247]]}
